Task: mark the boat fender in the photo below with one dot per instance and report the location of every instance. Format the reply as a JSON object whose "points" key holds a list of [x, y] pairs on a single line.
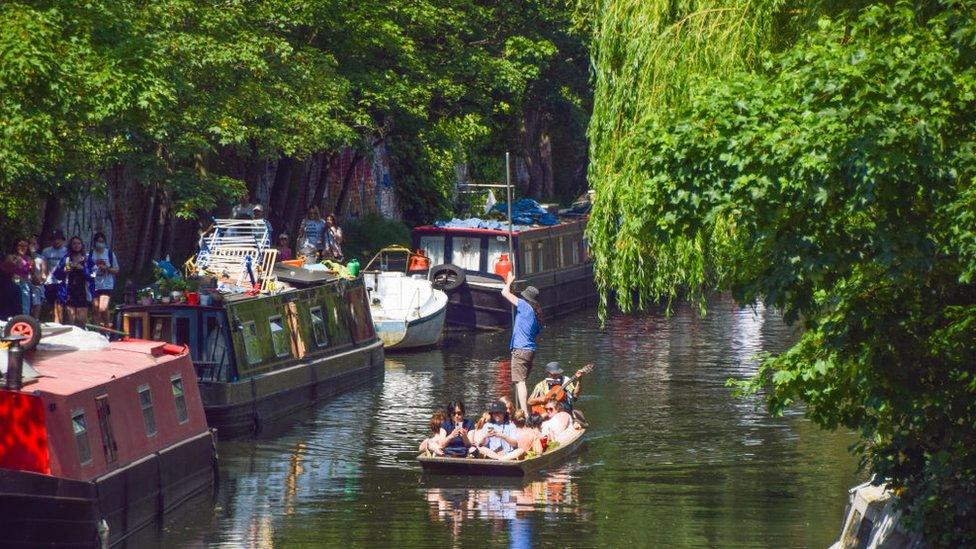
{"points": [[103, 534], [257, 422]]}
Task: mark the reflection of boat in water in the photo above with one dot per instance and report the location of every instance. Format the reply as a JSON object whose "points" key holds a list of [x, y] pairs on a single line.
{"points": [[408, 313], [490, 467], [450, 499]]}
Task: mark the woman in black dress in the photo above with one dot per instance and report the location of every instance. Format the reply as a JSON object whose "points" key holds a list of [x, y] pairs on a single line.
{"points": [[75, 275]]}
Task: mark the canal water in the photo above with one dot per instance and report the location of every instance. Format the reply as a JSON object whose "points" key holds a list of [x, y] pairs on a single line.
{"points": [[672, 459]]}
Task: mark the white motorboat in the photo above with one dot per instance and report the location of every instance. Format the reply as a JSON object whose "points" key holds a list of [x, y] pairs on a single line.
{"points": [[408, 312]]}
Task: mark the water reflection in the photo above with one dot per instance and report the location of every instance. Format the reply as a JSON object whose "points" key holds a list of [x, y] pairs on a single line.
{"points": [[512, 503]]}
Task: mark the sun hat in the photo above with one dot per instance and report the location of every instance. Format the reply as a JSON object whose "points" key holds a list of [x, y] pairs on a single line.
{"points": [[530, 293], [554, 368]]}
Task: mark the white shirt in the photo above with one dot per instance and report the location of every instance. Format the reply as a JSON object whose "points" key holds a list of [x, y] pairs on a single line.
{"points": [[53, 256], [104, 280]]}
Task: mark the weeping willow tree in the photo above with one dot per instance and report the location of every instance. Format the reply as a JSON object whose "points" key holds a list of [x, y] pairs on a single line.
{"points": [[647, 56], [821, 159]]}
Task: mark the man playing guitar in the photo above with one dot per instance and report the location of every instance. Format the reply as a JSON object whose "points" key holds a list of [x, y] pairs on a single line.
{"points": [[556, 385]]}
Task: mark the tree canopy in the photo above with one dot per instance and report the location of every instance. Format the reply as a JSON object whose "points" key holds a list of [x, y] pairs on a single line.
{"points": [[833, 178], [163, 86]]}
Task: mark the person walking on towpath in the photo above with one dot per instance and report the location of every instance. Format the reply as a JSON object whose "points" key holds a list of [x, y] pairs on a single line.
{"points": [[525, 330]]}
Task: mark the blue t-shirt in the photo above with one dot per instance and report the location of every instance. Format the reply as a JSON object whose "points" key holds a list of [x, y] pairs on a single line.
{"points": [[526, 327], [497, 444], [456, 445]]}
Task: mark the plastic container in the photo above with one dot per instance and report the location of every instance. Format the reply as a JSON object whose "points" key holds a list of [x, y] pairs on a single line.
{"points": [[353, 267], [192, 298], [503, 266]]}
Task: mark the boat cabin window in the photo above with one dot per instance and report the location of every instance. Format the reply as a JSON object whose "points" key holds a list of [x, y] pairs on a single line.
{"points": [[160, 327], [532, 257], [279, 337], [319, 331], [433, 247], [179, 397], [466, 252], [252, 346], [145, 402], [497, 245], [569, 250], [80, 429]]}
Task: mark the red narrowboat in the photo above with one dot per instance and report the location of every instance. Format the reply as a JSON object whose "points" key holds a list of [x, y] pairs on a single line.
{"points": [[96, 444]]}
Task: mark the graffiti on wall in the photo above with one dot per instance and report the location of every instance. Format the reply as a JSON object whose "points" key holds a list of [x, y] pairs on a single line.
{"points": [[90, 215]]}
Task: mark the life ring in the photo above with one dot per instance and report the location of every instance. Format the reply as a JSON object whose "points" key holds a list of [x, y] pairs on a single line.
{"points": [[25, 326], [446, 277]]}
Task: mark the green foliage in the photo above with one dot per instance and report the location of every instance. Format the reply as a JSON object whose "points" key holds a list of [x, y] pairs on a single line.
{"points": [[835, 182], [367, 235], [165, 86]]}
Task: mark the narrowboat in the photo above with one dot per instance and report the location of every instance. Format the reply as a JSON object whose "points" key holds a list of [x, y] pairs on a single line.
{"points": [[98, 443], [300, 335], [469, 263], [408, 312]]}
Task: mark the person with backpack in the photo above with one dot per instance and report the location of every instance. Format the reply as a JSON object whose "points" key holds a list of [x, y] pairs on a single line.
{"points": [[103, 262]]}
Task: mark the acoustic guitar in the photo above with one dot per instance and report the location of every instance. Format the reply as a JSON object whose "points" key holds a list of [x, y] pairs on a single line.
{"points": [[559, 391]]}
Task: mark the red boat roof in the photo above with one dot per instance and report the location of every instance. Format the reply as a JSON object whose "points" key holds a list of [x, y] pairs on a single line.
{"points": [[66, 373]]}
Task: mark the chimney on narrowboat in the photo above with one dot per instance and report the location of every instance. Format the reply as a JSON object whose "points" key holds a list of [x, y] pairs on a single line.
{"points": [[14, 378]]}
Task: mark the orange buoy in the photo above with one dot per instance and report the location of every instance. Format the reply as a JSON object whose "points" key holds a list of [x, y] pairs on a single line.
{"points": [[503, 266], [418, 261]]}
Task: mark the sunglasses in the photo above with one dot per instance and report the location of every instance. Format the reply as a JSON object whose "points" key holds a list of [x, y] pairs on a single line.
{"points": [[458, 413]]}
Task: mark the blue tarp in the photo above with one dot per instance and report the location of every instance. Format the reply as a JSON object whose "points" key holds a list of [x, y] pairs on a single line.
{"points": [[527, 212], [478, 223]]}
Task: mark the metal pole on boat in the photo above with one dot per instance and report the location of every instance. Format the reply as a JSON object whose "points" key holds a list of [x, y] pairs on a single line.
{"points": [[508, 192]]}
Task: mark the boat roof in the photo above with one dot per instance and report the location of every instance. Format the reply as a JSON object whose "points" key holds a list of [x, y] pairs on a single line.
{"points": [[70, 372]]}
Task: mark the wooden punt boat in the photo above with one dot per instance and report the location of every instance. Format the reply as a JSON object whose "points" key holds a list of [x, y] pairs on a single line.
{"points": [[493, 468]]}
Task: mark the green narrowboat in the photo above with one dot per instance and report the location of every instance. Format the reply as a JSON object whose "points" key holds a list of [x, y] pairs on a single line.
{"points": [[259, 358]]}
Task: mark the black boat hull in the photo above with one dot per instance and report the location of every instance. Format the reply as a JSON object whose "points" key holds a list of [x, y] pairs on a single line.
{"points": [[478, 304], [245, 407], [40, 510]]}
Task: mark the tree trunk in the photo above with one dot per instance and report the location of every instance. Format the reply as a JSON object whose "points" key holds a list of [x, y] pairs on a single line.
{"points": [[52, 210], [142, 246], [344, 189], [279, 192]]}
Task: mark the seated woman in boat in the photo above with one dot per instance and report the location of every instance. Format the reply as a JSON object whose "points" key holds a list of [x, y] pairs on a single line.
{"points": [[437, 435], [558, 420], [457, 429], [486, 417], [497, 438], [528, 436]]}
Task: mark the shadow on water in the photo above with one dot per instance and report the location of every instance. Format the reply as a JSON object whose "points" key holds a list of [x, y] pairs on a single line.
{"points": [[671, 458]]}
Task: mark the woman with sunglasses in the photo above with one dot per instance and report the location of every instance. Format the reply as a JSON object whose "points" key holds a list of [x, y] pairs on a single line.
{"points": [[558, 423], [457, 442]]}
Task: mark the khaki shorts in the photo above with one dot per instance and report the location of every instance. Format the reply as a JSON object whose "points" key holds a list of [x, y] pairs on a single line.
{"points": [[521, 364]]}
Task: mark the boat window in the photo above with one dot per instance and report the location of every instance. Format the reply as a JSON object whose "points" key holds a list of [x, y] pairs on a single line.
{"points": [[584, 248], [181, 331], [318, 327], [466, 252], [569, 250], [433, 246], [497, 245], [279, 337], [528, 265], [537, 256], [179, 396], [109, 446], [145, 402], [80, 429], [251, 344], [160, 328]]}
